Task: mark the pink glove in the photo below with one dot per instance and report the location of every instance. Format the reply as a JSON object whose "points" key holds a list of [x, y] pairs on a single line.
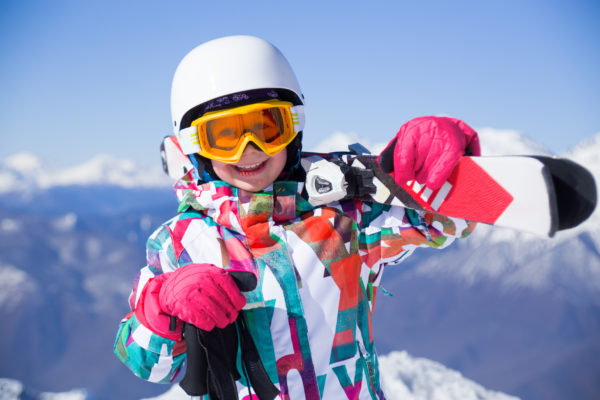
{"points": [[201, 294], [427, 149]]}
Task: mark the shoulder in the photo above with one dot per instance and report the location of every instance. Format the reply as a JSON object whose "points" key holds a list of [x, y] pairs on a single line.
{"points": [[182, 228], [188, 237]]}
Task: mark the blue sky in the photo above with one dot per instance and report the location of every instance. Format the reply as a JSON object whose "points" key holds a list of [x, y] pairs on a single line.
{"points": [[80, 78]]}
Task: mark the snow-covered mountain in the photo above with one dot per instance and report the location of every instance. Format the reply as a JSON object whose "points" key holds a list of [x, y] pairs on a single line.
{"points": [[408, 378], [513, 312], [24, 172], [11, 389]]}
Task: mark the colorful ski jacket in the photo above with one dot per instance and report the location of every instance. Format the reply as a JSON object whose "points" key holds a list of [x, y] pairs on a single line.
{"points": [[318, 270]]}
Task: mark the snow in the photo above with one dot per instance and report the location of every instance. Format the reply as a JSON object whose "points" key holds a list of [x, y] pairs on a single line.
{"points": [[407, 378], [11, 389], [587, 151], [10, 225], [65, 223], [25, 171], [71, 395], [108, 170], [24, 163], [9, 182], [145, 223], [15, 285], [339, 141], [496, 142], [174, 393], [104, 289]]}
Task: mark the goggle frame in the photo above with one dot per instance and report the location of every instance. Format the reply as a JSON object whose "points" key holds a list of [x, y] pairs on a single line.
{"points": [[194, 138]]}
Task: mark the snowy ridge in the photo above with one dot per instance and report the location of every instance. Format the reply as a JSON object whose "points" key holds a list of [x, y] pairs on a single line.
{"points": [[11, 389], [496, 142], [407, 378], [24, 172], [15, 285], [339, 141]]}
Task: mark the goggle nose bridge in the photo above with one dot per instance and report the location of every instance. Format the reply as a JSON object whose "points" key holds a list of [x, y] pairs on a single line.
{"points": [[248, 137]]}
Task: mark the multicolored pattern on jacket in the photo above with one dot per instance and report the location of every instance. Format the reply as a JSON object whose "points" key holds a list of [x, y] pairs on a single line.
{"points": [[318, 271]]}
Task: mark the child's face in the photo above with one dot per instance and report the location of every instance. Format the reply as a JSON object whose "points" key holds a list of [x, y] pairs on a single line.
{"points": [[255, 170]]}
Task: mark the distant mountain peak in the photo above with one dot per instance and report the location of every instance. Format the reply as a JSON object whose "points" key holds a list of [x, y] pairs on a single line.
{"points": [[24, 162], [406, 377], [495, 142], [25, 172], [588, 153]]}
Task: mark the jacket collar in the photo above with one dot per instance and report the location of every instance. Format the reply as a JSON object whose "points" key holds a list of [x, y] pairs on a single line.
{"points": [[238, 209]]}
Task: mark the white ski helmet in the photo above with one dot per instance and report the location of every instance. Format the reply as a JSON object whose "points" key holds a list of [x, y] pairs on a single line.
{"points": [[228, 66]]}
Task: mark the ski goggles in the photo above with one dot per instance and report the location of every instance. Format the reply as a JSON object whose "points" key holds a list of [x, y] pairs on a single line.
{"points": [[223, 135]]}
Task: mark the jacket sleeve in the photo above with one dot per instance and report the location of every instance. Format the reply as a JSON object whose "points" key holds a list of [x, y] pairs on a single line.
{"points": [[147, 342], [389, 234]]}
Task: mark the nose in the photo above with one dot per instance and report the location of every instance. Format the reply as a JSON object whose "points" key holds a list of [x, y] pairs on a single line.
{"points": [[251, 147]]}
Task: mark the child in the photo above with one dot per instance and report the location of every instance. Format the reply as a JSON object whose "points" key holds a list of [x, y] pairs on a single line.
{"points": [[309, 274]]}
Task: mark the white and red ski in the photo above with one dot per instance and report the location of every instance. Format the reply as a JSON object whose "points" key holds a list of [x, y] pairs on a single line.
{"points": [[536, 194]]}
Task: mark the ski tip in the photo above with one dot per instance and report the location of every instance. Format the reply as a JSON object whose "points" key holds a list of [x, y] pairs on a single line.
{"points": [[575, 188]]}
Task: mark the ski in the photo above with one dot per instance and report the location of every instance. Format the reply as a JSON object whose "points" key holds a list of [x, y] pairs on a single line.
{"points": [[536, 194]]}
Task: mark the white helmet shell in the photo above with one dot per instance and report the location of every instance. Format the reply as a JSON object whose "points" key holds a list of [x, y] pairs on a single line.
{"points": [[225, 66]]}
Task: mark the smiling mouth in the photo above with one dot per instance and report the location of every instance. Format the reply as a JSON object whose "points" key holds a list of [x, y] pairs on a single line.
{"points": [[246, 169]]}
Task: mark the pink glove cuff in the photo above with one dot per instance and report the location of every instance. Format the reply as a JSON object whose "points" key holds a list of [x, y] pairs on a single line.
{"points": [[150, 314]]}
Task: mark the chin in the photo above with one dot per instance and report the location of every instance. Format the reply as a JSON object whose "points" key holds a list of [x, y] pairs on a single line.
{"points": [[252, 188]]}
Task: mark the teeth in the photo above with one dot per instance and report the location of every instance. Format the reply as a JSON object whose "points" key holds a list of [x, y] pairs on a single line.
{"points": [[249, 167]]}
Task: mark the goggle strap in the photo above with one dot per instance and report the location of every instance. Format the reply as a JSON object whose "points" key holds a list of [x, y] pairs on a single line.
{"points": [[298, 117], [188, 139]]}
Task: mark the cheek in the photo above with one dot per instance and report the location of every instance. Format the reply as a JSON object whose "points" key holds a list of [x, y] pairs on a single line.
{"points": [[278, 163], [221, 170]]}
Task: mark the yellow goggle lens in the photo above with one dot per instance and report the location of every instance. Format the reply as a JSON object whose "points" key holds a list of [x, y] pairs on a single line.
{"points": [[223, 135]]}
